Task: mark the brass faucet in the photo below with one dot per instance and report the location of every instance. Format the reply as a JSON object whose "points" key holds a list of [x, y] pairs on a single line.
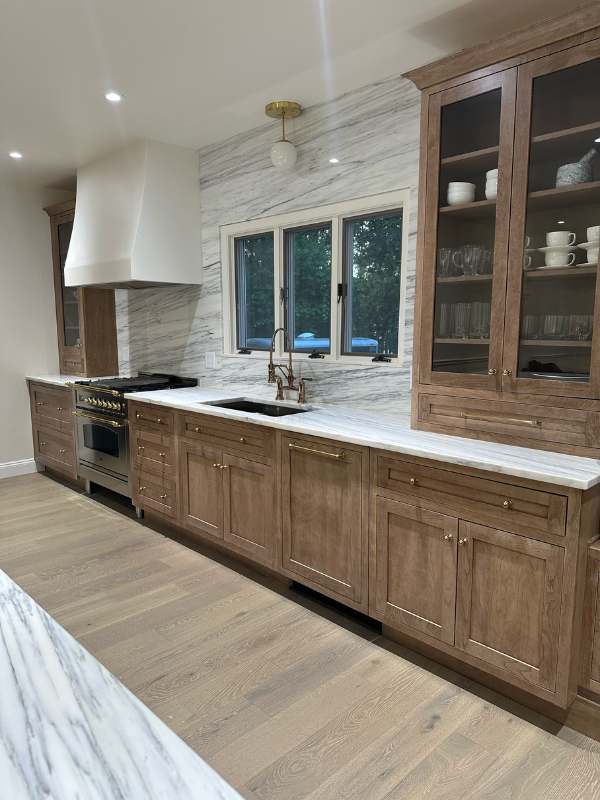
{"points": [[287, 372]]}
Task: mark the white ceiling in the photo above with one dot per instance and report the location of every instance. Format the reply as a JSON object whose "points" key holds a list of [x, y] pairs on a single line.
{"points": [[197, 71]]}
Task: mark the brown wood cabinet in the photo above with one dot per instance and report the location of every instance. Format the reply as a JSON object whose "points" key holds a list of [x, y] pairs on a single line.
{"points": [[509, 335], [85, 317], [52, 425], [590, 649], [324, 517]]}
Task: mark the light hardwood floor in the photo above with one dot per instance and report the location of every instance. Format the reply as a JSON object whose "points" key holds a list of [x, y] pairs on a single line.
{"points": [[284, 697]]}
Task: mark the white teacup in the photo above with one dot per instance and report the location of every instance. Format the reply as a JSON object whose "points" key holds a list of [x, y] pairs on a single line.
{"points": [[593, 233], [560, 239], [591, 249], [558, 258]]}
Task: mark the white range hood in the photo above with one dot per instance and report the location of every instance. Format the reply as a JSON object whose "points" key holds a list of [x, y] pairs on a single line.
{"points": [[137, 219]]}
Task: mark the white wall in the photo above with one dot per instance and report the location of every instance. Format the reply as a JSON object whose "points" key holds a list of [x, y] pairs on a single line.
{"points": [[28, 342], [374, 131]]}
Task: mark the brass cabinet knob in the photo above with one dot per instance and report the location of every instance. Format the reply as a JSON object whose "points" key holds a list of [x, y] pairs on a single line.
{"points": [[243, 439], [62, 451], [216, 465], [138, 416], [162, 455], [507, 372], [59, 408], [142, 488], [198, 430], [414, 481], [159, 420], [40, 404], [222, 466], [448, 537], [507, 504], [462, 542], [492, 371], [163, 497], [141, 447], [42, 444]]}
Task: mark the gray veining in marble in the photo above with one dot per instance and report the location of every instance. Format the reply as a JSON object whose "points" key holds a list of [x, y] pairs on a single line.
{"points": [[393, 432], [374, 131], [69, 730]]}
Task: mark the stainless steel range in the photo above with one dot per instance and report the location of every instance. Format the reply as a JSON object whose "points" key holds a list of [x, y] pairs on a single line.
{"points": [[102, 429]]}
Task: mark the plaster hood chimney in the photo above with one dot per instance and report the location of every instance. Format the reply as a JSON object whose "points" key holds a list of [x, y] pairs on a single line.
{"points": [[137, 219]]}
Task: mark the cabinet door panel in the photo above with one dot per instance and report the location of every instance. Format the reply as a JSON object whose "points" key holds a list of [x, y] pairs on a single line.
{"points": [[509, 602], [414, 577], [249, 506], [202, 489], [324, 539], [153, 450]]}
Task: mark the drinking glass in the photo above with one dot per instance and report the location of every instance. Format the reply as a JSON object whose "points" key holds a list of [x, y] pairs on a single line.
{"points": [[480, 320], [486, 265], [444, 262], [562, 326], [445, 324], [461, 320], [550, 326], [530, 327]]}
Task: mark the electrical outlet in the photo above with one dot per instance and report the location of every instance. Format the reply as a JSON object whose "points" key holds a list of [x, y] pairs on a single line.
{"points": [[211, 360], [125, 353]]}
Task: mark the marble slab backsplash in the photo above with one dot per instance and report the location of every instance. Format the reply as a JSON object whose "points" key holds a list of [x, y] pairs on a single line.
{"points": [[374, 131]]}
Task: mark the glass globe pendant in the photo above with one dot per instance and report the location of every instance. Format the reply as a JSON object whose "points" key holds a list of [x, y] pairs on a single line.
{"points": [[283, 152]]}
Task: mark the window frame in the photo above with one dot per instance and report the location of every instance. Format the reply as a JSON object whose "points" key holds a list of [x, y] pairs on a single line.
{"points": [[236, 246], [334, 214]]}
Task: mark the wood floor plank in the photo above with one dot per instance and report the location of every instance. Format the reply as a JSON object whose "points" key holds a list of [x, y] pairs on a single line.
{"points": [[286, 697]]}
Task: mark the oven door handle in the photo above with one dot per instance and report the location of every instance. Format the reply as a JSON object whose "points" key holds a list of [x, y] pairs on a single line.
{"points": [[95, 388], [114, 423]]}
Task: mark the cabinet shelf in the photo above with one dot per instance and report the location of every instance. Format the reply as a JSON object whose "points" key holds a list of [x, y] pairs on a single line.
{"points": [[563, 197], [565, 144], [545, 274], [556, 342], [466, 279], [480, 209], [461, 341], [474, 156]]}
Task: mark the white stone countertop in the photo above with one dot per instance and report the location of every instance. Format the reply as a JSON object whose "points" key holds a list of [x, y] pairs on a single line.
{"points": [[69, 730], [62, 380], [393, 433]]}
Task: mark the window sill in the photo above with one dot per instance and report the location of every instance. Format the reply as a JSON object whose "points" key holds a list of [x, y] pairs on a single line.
{"points": [[342, 362]]}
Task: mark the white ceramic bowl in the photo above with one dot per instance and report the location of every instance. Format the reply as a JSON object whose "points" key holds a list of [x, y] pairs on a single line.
{"points": [[492, 173], [459, 193]]}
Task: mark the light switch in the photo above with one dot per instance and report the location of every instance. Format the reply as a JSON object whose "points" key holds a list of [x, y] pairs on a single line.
{"points": [[125, 353], [211, 361]]}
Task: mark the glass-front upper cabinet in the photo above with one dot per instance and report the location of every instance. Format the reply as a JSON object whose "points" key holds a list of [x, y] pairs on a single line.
{"points": [[555, 227], [469, 160], [70, 300]]}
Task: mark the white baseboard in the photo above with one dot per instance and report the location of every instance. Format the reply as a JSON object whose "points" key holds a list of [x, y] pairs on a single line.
{"points": [[12, 468]]}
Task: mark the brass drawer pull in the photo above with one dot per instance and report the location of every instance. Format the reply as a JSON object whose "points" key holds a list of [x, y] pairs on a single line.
{"points": [[448, 537], [163, 497], [141, 446], [466, 415], [139, 416], [159, 420], [40, 404], [198, 430], [142, 488], [507, 504], [414, 481], [340, 456], [462, 542], [243, 439], [162, 455], [42, 444], [62, 451]]}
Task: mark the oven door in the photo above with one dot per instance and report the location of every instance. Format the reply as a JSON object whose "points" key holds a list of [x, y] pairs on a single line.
{"points": [[103, 445]]}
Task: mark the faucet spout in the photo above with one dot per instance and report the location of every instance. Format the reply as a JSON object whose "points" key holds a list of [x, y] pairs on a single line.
{"points": [[290, 376]]}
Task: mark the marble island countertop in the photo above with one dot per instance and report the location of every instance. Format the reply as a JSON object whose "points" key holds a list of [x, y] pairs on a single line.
{"points": [[69, 730], [393, 432]]}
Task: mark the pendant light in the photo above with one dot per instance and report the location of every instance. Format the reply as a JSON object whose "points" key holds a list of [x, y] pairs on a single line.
{"points": [[283, 152]]}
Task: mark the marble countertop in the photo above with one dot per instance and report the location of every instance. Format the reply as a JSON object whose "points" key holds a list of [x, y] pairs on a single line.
{"points": [[69, 730], [393, 433], [62, 380]]}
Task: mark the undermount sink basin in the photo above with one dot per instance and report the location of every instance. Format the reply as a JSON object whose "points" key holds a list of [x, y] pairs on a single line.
{"points": [[253, 407]]}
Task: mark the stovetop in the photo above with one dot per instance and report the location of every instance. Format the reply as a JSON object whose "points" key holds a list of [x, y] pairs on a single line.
{"points": [[144, 382]]}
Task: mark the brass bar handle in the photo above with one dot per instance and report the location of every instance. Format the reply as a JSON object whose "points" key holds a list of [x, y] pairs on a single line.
{"points": [[339, 456], [112, 422], [466, 415], [95, 388], [462, 542]]}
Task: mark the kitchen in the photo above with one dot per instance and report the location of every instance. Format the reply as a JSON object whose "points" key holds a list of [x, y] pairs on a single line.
{"points": [[447, 555]]}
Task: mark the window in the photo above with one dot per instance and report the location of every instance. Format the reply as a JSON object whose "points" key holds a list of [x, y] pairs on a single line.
{"points": [[255, 292], [371, 287], [333, 276]]}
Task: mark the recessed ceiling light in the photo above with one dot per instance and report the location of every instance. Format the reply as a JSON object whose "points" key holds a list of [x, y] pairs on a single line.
{"points": [[113, 97], [334, 161], [597, 140], [561, 222], [15, 154]]}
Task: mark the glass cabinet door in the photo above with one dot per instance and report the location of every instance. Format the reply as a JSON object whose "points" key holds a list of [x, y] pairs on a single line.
{"points": [[69, 296], [555, 227], [469, 162]]}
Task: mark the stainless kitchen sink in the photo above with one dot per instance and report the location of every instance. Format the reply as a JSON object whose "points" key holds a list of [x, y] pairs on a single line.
{"points": [[254, 407]]}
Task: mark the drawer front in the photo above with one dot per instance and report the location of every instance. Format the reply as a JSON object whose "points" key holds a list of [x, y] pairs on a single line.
{"points": [[72, 366], [510, 508], [52, 407], [153, 450], [215, 431], [54, 449], [155, 418], [520, 420], [151, 491]]}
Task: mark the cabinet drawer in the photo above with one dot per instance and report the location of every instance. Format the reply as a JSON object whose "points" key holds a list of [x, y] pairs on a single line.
{"points": [[158, 493], [54, 448], [52, 407], [153, 417], [72, 366], [246, 438], [153, 450], [511, 508], [520, 420]]}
